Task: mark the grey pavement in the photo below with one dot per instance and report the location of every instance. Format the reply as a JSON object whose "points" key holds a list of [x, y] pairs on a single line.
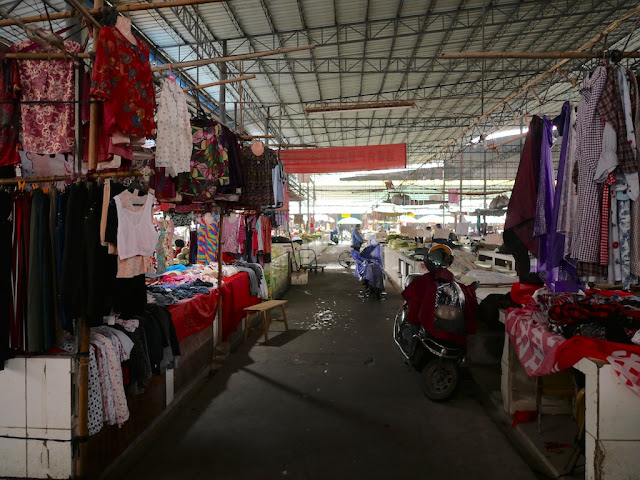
{"points": [[330, 399]]}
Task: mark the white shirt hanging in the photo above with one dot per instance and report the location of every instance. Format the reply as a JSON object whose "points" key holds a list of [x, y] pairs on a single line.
{"points": [[174, 142]]}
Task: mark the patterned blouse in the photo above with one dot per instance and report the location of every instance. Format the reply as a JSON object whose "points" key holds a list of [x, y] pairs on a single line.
{"points": [[122, 77], [46, 128]]}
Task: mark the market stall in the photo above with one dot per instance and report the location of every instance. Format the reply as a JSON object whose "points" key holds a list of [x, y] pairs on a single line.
{"points": [[103, 323], [572, 230]]}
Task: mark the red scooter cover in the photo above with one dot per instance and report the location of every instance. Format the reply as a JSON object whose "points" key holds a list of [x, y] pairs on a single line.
{"points": [[421, 300]]}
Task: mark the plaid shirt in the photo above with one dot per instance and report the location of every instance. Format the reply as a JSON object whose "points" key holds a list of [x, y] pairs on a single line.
{"points": [[585, 243], [604, 225], [635, 206], [611, 110]]}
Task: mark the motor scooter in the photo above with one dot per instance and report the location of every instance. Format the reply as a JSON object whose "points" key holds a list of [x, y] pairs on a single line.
{"points": [[432, 325]]}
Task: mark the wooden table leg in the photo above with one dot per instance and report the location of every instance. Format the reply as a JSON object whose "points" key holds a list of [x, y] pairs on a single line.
{"points": [[265, 326], [284, 317], [246, 326]]}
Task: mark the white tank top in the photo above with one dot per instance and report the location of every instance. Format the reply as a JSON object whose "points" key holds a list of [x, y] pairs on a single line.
{"points": [[136, 233]]}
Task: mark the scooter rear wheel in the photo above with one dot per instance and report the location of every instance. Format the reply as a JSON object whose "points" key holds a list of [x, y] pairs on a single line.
{"points": [[439, 379]]}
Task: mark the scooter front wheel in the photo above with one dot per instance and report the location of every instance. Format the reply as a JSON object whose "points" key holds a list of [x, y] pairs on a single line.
{"points": [[439, 379]]}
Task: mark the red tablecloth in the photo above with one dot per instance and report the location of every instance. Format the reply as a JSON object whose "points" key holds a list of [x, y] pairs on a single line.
{"points": [[195, 314], [542, 352], [235, 298]]}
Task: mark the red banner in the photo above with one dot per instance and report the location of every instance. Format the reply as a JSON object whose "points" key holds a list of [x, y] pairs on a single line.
{"points": [[344, 159]]}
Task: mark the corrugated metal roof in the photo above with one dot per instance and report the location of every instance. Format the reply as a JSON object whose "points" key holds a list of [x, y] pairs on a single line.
{"points": [[370, 50]]}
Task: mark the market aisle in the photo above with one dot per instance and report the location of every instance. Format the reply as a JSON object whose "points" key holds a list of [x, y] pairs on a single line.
{"points": [[331, 399]]}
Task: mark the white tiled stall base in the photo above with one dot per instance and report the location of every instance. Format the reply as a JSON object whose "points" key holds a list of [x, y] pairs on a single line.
{"points": [[35, 418], [612, 424]]}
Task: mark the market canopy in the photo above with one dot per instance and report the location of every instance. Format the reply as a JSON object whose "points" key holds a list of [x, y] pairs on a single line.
{"points": [[407, 219], [349, 221], [344, 159]]}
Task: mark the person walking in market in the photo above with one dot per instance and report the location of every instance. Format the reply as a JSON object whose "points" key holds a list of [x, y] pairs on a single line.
{"points": [[356, 238]]}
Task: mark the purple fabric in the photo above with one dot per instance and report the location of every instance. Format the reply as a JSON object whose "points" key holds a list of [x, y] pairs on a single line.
{"points": [[558, 274], [546, 191]]}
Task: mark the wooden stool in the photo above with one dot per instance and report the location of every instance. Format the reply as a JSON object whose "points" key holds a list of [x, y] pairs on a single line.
{"points": [[265, 307]]}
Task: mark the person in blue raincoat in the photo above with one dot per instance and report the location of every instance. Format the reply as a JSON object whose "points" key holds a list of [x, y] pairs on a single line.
{"points": [[356, 238]]}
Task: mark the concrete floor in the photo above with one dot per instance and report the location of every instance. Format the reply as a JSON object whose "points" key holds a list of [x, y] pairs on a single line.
{"points": [[330, 399]]}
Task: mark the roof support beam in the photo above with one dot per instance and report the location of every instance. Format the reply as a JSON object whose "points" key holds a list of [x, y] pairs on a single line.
{"points": [[136, 7]]}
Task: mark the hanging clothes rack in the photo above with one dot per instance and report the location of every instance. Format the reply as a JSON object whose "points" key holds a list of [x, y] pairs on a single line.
{"points": [[61, 178]]}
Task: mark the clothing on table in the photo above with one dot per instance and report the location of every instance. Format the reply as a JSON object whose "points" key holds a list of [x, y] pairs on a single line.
{"points": [[208, 239], [258, 178], [122, 78], [47, 127], [9, 113], [174, 142]]}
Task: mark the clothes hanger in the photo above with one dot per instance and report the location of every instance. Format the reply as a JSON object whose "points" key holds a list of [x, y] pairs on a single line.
{"points": [[171, 76]]}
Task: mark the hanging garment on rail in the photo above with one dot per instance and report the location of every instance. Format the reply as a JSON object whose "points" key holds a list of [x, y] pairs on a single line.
{"points": [[174, 142], [47, 127], [200, 183], [258, 178], [232, 233], [5, 275], [136, 233], [9, 113], [164, 247], [40, 327], [585, 243], [208, 239], [122, 78]]}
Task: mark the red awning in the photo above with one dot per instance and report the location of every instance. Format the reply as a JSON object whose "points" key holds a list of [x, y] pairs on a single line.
{"points": [[344, 159]]}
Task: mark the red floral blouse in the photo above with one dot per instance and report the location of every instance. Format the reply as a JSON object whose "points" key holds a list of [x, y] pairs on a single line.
{"points": [[122, 78]]}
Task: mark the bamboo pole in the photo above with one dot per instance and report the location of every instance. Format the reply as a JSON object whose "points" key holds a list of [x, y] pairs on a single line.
{"points": [[61, 178], [232, 58], [220, 280], [535, 55], [94, 111], [47, 56], [240, 91], [84, 11], [251, 137], [221, 82], [493, 146], [631, 13], [293, 145], [120, 8]]}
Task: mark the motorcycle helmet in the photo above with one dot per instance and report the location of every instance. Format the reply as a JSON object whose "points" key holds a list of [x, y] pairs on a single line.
{"points": [[439, 256]]}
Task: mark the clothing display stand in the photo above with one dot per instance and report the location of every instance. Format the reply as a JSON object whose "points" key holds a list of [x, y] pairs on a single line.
{"points": [[76, 462]]}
